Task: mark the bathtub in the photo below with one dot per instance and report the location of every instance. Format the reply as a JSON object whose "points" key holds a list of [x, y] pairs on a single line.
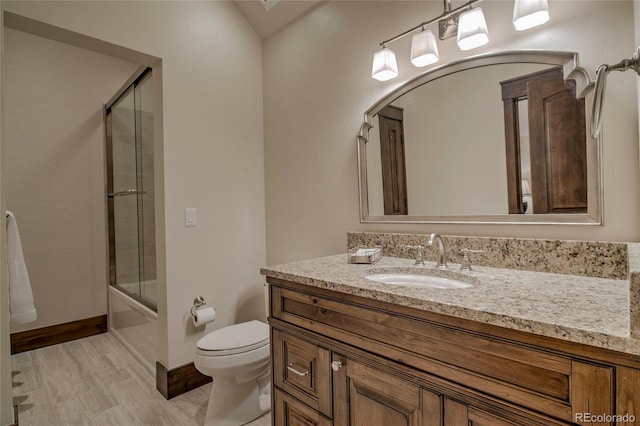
{"points": [[135, 326]]}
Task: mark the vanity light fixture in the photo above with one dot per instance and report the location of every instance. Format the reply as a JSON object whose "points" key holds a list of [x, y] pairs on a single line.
{"points": [[530, 13], [385, 66], [472, 29], [424, 49], [466, 22]]}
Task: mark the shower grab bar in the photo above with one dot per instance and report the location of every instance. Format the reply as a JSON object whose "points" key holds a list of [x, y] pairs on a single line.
{"points": [[125, 192]]}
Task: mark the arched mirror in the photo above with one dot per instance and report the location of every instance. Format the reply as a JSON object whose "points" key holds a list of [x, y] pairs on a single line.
{"points": [[498, 138]]}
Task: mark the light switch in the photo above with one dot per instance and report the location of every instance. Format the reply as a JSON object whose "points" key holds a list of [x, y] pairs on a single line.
{"points": [[190, 216]]}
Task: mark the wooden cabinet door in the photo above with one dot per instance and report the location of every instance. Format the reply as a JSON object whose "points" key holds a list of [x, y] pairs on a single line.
{"points": [[365, 396], [456, 413], [291, 412], [459, 414], [628, 396], [592, 388]]}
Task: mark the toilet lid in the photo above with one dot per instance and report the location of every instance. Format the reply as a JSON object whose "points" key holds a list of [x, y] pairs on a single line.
{"points": [[236, 338]]}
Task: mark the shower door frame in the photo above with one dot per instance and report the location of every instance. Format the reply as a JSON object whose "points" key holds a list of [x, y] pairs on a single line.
{"points": [[142, 74]]}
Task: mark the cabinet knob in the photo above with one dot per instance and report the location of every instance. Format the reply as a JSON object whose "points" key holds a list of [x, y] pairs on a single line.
{"points": [[336, 365]]}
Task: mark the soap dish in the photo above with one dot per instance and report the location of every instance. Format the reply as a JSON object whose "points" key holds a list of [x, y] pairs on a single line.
{"points": [[364, 255]]}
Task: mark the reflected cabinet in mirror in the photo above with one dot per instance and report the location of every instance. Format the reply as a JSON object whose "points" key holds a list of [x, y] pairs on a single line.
{"points": [[498, 138]]}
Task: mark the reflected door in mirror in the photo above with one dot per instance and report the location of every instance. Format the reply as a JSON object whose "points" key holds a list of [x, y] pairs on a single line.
{"points": [[394, 176], [557, 169]]}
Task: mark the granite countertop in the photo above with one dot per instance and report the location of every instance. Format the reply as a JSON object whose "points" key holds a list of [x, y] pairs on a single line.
{"points": [[593, 311]]}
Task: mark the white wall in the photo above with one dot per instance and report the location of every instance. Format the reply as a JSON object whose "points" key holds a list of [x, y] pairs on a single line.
{"points": [[317, 86], [213, 152], [54, 170]]}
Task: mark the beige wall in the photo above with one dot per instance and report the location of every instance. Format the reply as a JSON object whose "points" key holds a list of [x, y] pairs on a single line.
{"points": [[211, 133], [6, 395], [317, 86], [54, 170], [636, 15]]}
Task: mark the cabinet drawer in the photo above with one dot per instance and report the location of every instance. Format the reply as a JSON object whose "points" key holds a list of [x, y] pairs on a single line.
{"points": [[531, 378], [303, 370], [288, 411]]}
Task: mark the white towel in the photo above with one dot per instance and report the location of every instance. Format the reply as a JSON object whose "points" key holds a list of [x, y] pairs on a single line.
{"points": [[21, 304]]}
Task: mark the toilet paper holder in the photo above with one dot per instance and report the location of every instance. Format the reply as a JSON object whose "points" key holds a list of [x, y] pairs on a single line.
{"points": [[197, 302]]}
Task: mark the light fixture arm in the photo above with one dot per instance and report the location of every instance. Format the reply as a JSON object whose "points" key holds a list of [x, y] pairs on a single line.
{"points": [[445, 15], [447, 6]]}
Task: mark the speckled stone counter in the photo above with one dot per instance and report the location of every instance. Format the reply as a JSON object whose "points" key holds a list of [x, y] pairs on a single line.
{"points": [[589, 310], [634, 290], [587, 258]]}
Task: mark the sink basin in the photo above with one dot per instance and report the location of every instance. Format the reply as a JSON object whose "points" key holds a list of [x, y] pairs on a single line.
{"points": [[417, 280]]}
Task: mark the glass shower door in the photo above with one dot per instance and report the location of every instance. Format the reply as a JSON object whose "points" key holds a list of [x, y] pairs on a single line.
{"points": [[130, 192]]}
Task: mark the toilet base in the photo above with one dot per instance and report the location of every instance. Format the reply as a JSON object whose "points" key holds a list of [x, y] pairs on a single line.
{"points": [[235, 404]]}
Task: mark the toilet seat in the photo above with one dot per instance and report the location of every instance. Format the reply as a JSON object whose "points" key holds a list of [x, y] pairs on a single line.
{"points": [[234, 339]]}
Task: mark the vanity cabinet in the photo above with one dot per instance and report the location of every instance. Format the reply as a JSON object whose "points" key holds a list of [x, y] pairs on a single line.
{"points": [[345, 360]]}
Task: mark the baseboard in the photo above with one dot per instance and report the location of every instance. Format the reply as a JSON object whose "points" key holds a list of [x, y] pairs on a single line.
{"points": [[171, 383], [46, 336]]}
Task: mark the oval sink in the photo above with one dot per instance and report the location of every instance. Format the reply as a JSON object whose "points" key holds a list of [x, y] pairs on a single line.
{"points": [[417, 280]]}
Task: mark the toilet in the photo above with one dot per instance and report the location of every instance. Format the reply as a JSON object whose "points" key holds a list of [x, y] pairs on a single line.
{"points": [[237, 359]]}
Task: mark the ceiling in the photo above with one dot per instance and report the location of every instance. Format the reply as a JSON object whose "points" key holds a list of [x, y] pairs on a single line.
{"points": [[269, 16]]}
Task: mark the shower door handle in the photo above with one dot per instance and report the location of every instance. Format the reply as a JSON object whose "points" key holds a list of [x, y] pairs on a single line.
{"points": [[125, 192]]}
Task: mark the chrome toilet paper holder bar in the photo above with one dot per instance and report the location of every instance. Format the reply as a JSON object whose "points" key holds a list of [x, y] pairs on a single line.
{"points": [[197, 302]]}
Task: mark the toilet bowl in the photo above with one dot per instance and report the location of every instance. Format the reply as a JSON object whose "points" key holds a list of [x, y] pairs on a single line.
{"points": [[237, 359]]}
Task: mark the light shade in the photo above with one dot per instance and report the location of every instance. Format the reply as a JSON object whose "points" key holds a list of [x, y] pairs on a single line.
{"points": [[526, 188], [424, 50], [530, 13], [472, 29], [385, 66]]}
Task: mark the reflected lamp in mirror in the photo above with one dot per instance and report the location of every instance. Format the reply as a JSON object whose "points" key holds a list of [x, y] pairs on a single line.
{"points": [[530, 13], [466, 22]]}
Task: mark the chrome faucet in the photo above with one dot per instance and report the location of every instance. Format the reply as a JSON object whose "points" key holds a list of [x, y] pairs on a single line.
{"points": [[442, 253], [419, 254]]}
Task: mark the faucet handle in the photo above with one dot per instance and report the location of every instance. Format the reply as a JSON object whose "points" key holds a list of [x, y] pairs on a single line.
{"points": [[419, 253], [466, 262]]}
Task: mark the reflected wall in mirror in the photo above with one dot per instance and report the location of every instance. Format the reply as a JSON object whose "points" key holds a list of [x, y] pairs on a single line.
{"points": [[476, 140]]}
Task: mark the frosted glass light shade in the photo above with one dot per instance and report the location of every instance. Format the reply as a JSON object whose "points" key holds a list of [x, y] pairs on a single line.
{"points": [[424, 49], [530, 13], [472, 29], [385, 66]]}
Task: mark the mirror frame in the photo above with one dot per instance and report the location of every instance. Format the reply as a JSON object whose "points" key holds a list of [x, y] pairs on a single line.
{"points": [[584, 89]]}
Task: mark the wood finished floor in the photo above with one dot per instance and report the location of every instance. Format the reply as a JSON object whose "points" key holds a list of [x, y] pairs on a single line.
{"points": [[95, 381]]}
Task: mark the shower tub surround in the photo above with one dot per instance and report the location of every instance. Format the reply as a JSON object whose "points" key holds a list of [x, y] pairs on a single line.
{"points": [[583, 292]]}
